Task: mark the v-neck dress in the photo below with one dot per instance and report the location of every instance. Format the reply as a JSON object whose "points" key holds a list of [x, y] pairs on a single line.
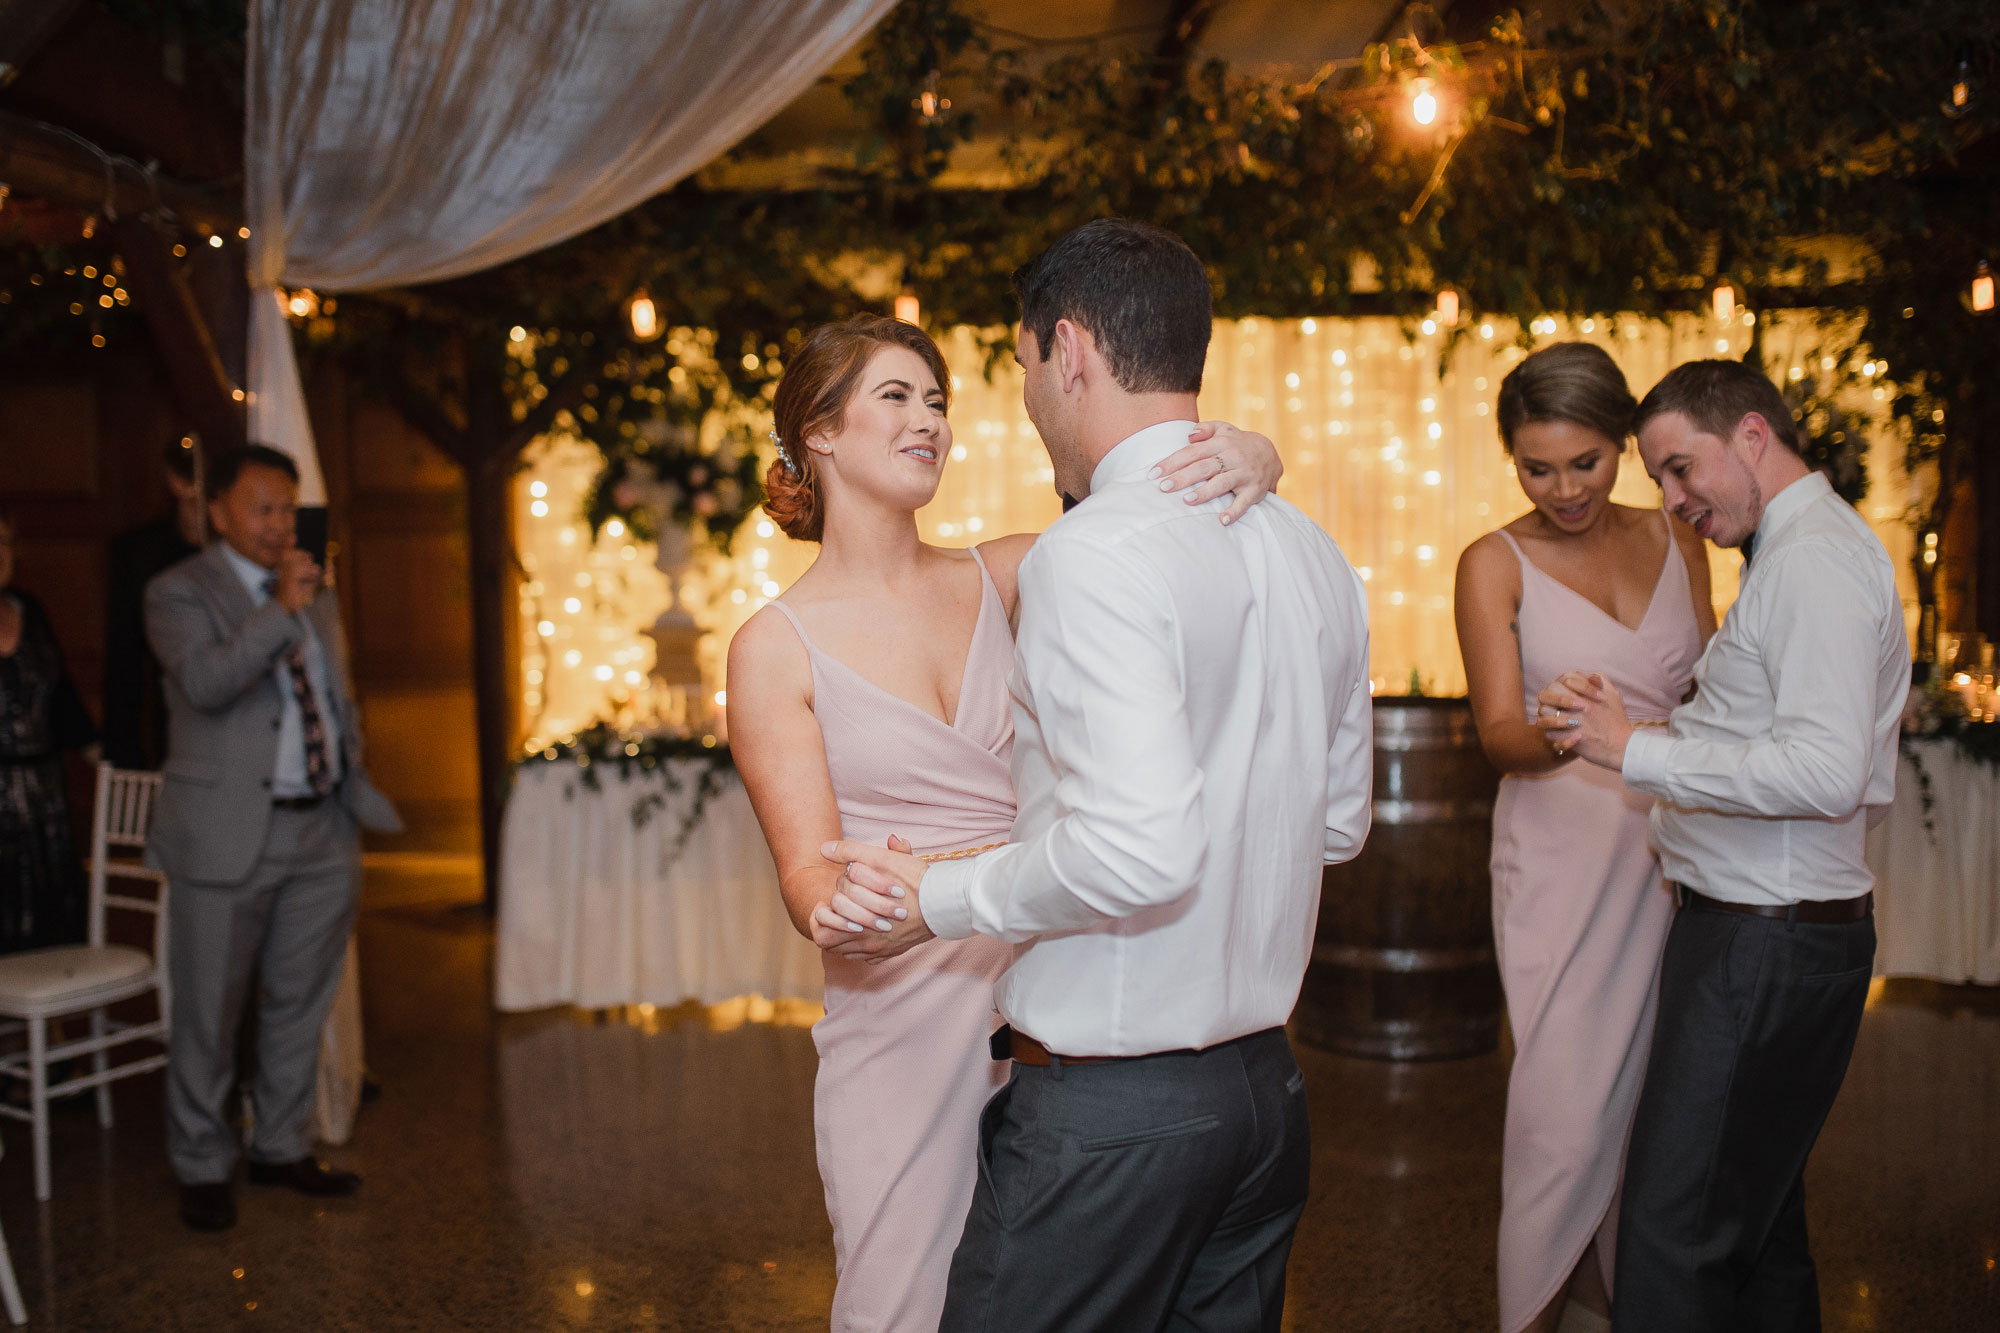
{"points": [[904, 1064], [1580, 917]]}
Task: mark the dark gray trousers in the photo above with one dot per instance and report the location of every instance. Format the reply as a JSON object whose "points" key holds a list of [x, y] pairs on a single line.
{"points": [[1157, 1193], [1757, 1020], [289, 924]]}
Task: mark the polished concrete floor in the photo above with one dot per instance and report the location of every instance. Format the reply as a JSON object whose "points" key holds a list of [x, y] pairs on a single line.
{"points": [[655, 1171]]}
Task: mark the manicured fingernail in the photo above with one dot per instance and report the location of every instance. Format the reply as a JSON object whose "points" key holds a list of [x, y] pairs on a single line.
{"points": [[902, 914], [1166, 485], [880, 924], [1194, 499], [1154, 472], [850, 925], [1227, 520], [897, 892], [826, 849]]}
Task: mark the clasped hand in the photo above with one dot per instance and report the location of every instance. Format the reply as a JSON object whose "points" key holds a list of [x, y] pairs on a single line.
{"points": [[873, 913], [1582, 713]]}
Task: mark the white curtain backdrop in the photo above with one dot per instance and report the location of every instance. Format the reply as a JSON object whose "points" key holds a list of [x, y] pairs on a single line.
{"points": [[402, 141]]}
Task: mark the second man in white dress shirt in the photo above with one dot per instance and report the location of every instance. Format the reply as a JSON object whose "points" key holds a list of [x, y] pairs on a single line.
{"points": [[1763, 783], [1193, 741]]}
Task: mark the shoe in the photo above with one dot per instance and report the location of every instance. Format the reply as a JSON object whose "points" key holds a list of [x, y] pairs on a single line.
{"points": [[307, 1175], [208, 1207]]}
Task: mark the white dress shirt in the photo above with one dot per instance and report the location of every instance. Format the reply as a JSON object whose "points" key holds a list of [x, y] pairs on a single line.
{"points": [[288, 774], [1764, 778], [1193, 739]]}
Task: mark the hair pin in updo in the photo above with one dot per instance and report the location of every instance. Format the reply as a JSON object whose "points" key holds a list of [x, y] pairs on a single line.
{"points": [[784, 454]]}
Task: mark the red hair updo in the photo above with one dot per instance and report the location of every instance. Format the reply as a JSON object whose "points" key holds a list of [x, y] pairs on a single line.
{"points": [[812, 399]]}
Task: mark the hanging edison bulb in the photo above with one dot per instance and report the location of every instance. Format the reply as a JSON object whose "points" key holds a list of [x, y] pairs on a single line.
{"points": [[907, 308], [1423, 101], [1959, 101], [929, 102], [1982, 289], [643, 316], [1723, 300], [1447, 307]]}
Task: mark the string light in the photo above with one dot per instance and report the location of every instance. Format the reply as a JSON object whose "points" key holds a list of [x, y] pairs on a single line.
{"points": [[643, 316], [1423, 102], [1982, 288]]}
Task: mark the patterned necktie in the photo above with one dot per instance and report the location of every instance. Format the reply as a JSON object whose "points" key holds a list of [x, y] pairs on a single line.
{"points": [[310, 722]]}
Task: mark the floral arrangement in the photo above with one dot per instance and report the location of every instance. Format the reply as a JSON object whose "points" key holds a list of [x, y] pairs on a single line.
{"points": [[600, 746], [1938, 712], [661, 476]]}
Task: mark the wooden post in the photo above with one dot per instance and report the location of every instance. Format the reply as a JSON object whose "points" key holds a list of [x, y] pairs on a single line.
{"points": [[489, 463]]}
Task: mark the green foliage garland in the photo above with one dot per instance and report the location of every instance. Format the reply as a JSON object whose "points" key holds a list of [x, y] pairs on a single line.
{"points": [[651, 759]]}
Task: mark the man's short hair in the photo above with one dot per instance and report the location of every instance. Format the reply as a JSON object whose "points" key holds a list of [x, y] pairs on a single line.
{"points": [[229, 465], [1140, 292], [1714, 396]]}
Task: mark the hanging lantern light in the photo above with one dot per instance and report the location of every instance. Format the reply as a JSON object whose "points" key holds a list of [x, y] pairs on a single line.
{"points": [[1447, 307], [930, 103], [1982, 289], [642, 316], [1960, 99], [1723, 299], [907, 308], [1423, 102]]}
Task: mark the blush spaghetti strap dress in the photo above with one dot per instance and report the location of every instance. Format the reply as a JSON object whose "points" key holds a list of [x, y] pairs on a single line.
{"points": [[1580, 917], [904, 1064]]}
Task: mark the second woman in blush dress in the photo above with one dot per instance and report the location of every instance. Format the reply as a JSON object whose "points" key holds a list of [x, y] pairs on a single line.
{"points": [[1580, 913], [871, 702]]}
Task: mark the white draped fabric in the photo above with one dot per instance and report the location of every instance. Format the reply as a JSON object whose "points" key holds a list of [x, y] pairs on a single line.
{"points": [[403, 141], [1937, 889], [598, 910]]}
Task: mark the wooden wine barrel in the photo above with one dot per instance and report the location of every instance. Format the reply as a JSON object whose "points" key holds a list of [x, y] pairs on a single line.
{"points": [[1402, 965]]}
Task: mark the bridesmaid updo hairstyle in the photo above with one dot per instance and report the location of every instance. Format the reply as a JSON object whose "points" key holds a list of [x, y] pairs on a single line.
{"points": [[812, 398], [1574, 382]]}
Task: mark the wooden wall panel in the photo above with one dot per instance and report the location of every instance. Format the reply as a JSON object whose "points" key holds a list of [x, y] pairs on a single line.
{"points": [[412, 621]]}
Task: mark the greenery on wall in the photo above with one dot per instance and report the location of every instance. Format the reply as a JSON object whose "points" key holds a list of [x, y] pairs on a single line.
{"points": [[1583, 169]]}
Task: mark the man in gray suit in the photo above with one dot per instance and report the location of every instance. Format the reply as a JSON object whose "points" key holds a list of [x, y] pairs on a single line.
{"points": [[256, 830]]}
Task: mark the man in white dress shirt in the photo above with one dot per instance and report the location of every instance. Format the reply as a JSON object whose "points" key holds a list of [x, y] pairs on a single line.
{"points": [[1763, 783], [1193, 741]]}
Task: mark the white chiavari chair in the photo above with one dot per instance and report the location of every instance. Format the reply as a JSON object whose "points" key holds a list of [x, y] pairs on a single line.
{"points": [[40, 986]]}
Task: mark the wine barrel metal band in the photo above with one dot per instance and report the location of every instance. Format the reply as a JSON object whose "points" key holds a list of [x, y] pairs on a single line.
{"points": [[1431, 812], [1430, 959]]}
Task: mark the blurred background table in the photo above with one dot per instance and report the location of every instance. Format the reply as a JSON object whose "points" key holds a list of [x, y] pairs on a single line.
{"points": [[618, 891], [1937, 888]]}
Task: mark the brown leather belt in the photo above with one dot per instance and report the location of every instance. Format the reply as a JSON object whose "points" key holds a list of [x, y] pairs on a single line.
{"points": [[1023, 1049], [1833, 912]]}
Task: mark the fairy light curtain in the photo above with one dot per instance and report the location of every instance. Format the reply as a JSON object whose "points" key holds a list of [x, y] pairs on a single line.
{"points": [[1399, 462]]}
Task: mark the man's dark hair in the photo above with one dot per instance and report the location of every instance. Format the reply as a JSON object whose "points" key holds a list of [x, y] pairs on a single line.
{"points": [[1714, 396], [1140, 292], [229, 465]]}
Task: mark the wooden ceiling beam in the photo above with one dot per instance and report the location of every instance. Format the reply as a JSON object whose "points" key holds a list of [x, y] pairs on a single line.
{"points": [[62, 167], [25, 28], [194, 369]]}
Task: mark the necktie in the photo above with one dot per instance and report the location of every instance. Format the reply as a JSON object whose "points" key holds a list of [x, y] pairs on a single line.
{"points": [[1749, 546], [311, 725]]}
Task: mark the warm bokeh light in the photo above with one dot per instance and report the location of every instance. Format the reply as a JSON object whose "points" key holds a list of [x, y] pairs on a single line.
{"points": [[643, 316]]}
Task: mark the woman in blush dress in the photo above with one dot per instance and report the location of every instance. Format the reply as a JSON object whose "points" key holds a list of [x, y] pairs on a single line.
{"points": [[1580, 913], [870, 702]]}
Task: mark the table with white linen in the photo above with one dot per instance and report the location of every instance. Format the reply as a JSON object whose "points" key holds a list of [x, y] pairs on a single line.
{"points": [[1937, 889], [600, 909]]}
